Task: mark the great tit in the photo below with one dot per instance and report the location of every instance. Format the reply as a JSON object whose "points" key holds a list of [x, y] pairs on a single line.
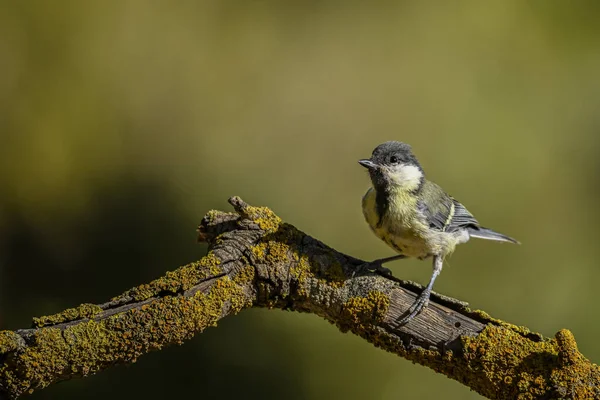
{"points": [[414, 216]]}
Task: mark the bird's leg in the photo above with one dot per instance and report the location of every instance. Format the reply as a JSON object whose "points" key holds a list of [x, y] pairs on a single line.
{"points": [[423, 299], [377, 265]]}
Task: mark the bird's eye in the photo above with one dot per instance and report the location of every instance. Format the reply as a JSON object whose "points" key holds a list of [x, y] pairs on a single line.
{"points": [[393, 159]]}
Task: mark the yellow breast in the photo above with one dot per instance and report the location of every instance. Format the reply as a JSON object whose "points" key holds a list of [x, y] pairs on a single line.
{"points": [[401, 228]]}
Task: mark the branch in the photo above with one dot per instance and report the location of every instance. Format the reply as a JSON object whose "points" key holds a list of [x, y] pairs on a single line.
{"points": [[256, 260]]}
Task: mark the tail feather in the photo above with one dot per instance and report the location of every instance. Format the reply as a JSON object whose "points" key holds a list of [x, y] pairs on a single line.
{"points": [[485, 233]]}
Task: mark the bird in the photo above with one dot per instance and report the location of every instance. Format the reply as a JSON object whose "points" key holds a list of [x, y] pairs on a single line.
{"points": [[415, 216]]}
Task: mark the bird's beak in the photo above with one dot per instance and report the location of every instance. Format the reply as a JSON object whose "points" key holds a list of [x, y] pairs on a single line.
{"points": [[367, 164]]}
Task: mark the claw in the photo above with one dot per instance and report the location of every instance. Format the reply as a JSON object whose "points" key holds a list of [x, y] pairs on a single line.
{"points": [[423, 299], [377, 265], [373, 267], [418, 306]]}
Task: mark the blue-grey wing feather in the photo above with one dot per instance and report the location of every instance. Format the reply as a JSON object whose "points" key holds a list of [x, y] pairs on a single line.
{"points": [[462, 218], [442, 212], [445, 214]]}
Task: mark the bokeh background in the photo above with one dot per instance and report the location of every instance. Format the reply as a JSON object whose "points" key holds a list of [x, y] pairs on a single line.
{"points": [[122, 123]]}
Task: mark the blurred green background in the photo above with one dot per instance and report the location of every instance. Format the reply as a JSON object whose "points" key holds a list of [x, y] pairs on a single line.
{"points": [[122, 123]]}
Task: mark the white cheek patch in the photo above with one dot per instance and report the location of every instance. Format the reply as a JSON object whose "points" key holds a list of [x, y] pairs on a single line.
{"points": [[406, 176]]}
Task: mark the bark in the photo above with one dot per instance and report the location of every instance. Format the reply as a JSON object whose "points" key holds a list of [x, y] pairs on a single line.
{"points": [[256, 260]]}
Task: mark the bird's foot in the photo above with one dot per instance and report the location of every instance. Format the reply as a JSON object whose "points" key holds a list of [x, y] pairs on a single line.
{"points": [[373, 266], [417, 307], [377, 265]]}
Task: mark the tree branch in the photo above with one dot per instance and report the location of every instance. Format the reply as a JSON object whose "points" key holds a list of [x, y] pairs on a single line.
{"points": [[256, 260]]}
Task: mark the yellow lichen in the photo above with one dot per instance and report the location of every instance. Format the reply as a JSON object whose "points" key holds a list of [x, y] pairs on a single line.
{"points": [[369, 310], [266, 219], [507, 364], [574, 366], [244, 275], [271, 252], [181, 279], [71, 314], [87, 347], [9, 341], [259, 250], [499, 363], [484, 317], [300, 272], [277, 252], [211, 215]]}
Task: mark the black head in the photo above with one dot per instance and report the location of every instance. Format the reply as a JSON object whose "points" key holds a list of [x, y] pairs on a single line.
{"points": [[391, 154], [393, 164]]}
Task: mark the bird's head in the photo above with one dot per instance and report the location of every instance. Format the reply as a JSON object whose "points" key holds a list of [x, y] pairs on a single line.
{"points": [[393, 166]]}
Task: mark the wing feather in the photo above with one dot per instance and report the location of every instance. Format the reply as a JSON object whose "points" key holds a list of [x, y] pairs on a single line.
{"points": [[442, 212], [462, 218]]}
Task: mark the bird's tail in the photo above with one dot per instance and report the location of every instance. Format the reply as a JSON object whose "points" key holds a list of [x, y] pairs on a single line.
{"points": [[485, 233]]}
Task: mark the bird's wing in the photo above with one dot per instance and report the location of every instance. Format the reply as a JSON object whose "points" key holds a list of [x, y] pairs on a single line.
{"points": [[442, 212], [462, 218]]}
